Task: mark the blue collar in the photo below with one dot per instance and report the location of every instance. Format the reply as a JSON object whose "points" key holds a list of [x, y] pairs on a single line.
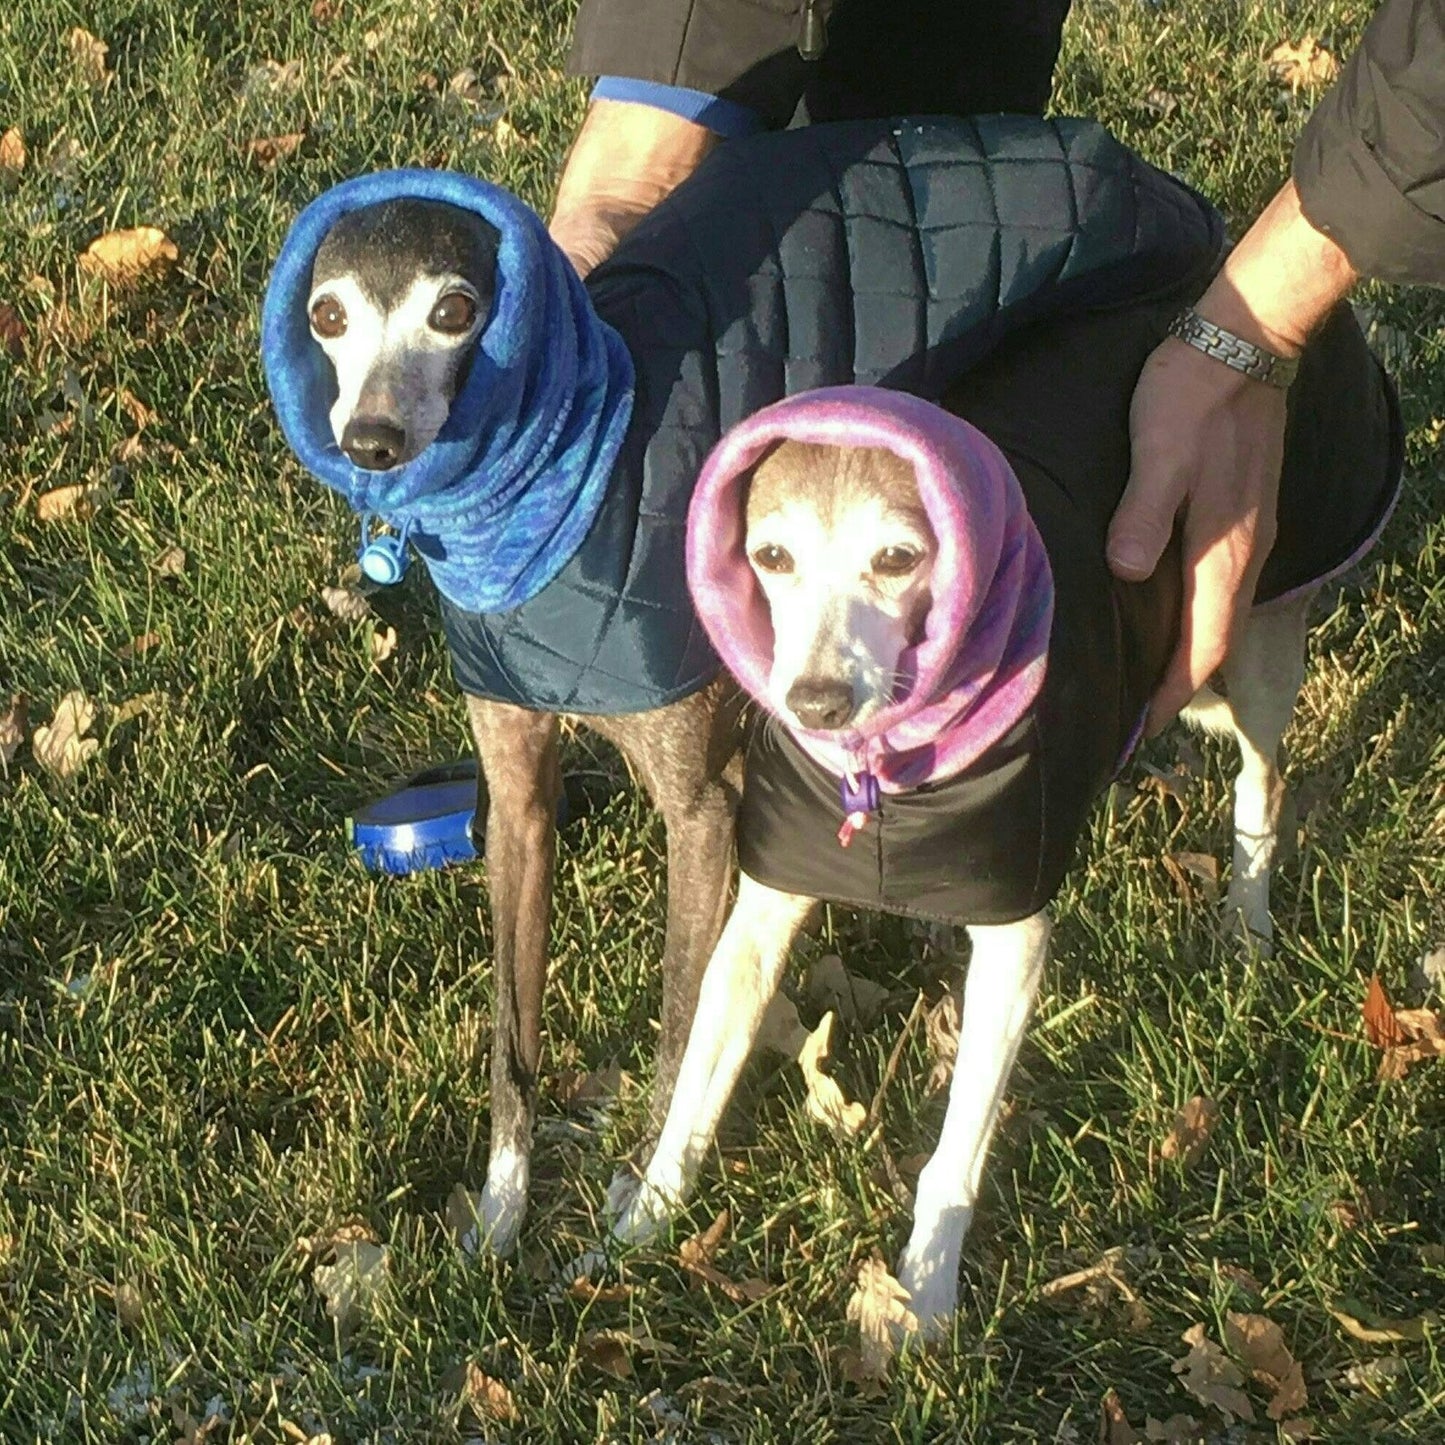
{"points": [[502, 499]]}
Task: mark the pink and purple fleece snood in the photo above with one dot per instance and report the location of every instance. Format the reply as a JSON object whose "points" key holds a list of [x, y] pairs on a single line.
{"points": [[984, 650]]}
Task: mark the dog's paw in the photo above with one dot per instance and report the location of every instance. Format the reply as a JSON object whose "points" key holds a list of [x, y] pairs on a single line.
{"points": [[1249, 925], [502, 1207], [932, 1299], [644, 1215]]}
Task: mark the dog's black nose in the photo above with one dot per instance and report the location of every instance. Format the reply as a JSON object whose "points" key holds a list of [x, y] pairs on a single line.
{"points": [[820, 702], [374, 443]]}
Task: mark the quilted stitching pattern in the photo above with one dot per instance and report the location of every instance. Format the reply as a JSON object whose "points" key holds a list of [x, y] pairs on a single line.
{"points": [[895, 253]]}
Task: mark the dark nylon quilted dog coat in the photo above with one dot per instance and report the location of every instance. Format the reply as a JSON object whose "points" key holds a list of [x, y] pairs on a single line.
{"points": [[991, 844], [890, 252]]}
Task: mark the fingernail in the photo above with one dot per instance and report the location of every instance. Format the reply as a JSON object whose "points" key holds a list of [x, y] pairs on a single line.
{"points": [[1128, 555]]}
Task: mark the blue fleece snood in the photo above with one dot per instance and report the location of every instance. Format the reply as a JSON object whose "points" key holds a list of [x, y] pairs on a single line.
{"points": [[505, 495]]}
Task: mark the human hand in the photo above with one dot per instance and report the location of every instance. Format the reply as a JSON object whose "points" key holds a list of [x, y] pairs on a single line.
{"points": [[626, 158], [1207, 442], [1206, 446]]}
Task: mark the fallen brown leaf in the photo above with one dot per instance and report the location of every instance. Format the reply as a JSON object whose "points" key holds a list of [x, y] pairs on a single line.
{"points": [[585, 1292], [459, 1217], [193, 1431], [1306, 66], [383, 644], [1258, 1343], [487, 1398], [1212, 1377], [87, 55], [611, 1351], [12, 728], [139, 646], [1407, 1036], [1200, 868], [1102, 1283], [585, 1089], [1189, 1135], [1381, 1331], [879, 1307], [1378, 1015], [12, 152], [130, 1304], [268, 151], [347, 603], [13, 332], [1302, 1429], [61, 747], [855, 1000], [351, 1276], [826, 1100], [80, 501], [1114, 1426], [1176, 1430], [940, 1029], [171, 562], [270, 76], [1241, 1279], [1375, 1375], [696, 1256], [126, 257]]}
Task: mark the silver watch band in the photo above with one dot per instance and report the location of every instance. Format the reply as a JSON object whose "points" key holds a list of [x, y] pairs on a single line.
{"points": [[1234, 351]]}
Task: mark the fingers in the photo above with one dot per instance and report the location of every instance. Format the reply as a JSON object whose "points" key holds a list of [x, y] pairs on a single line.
{"points": [[1142, 523], [1211, 607]]}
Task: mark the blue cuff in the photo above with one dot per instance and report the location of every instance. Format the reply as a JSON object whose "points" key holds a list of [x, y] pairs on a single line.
{"points": [[723, 117]]}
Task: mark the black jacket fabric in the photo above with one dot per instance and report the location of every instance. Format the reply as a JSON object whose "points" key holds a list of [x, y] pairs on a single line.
{"points": [[882, 57], [993, 844], [894, 253], [1370, 166]]}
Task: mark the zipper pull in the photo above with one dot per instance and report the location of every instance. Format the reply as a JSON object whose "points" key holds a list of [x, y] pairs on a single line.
{"points": [[813, 30]]}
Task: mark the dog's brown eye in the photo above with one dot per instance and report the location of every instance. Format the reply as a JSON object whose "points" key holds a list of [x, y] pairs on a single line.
{"points": [[895, 561], [328, 318], [773, 559], [454, 313]]}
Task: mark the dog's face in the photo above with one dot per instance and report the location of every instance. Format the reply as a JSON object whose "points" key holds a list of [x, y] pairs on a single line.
{"points": [[400, 291], [841, 545]]}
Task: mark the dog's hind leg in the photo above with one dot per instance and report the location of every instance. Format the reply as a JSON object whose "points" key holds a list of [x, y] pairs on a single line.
{"points": [[1263, 673], [737, 987], [518, 752], [1003, 977], [686, 756]]}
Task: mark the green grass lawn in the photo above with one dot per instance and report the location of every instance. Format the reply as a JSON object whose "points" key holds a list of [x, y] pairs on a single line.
{"points": [[219, 1038]]}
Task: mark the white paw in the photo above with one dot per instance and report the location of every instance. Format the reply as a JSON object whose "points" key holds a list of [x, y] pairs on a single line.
{"points": [[621, 1192], [1248, 922], [933, 1297], [503, 1206], [645, 1215]]}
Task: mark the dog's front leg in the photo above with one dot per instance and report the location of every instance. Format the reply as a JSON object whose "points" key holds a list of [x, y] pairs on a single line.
{"points": [[1003, 977], [737, 987], [519, 758]]}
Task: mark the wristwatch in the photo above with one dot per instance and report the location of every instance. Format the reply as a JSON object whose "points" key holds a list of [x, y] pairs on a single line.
{"points": [[1234, 351]]}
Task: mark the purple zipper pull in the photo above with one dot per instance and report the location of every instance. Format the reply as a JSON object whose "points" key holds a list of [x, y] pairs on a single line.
{"points": [[861, 796]]}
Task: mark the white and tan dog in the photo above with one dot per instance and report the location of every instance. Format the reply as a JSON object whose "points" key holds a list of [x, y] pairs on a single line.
{"points": [[875, 575]]}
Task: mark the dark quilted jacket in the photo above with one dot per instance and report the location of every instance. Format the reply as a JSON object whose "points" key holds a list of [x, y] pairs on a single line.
{"points": [[895, 253]]}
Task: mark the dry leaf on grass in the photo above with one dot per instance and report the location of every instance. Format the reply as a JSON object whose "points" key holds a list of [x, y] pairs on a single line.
{"points": [[80, 501], [1194, 871], [1188, 1137], [1241, 1279], [1375, 1375], [125, 257], [13, 722], [478, 1392], [826, 1100], [1114, 1426], [940, 1029], [87, 55], [612, 1351], [270, 77], [855, 1000], [1102, 1282], [696, 1256], [585, 1292], [1407, 1036], [171, 562], [139, 646], [1212, 1377], [193, 1431], [347, 603], [12, 152], [1258, 1343], [61, 747], [13, 332], [383, 644], [351, 1273], [269, 150], [1176, 1430], [1306, 66], [459, 1217], [1382, 1331], [879, 1307], [585, 1089]]}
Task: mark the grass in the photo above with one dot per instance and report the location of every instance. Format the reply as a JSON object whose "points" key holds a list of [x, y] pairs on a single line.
{"points": [[219, 1037]]}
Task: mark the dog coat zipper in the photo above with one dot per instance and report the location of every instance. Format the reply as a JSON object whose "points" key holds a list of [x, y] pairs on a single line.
{"points": [[860, 796]]}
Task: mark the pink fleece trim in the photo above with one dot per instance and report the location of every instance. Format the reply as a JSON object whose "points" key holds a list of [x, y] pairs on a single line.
{"points": [[981, 661]]}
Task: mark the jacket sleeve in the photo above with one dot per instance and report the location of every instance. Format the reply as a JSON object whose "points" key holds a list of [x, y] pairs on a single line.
{"points": [[1370, 165], [743, 51]]}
